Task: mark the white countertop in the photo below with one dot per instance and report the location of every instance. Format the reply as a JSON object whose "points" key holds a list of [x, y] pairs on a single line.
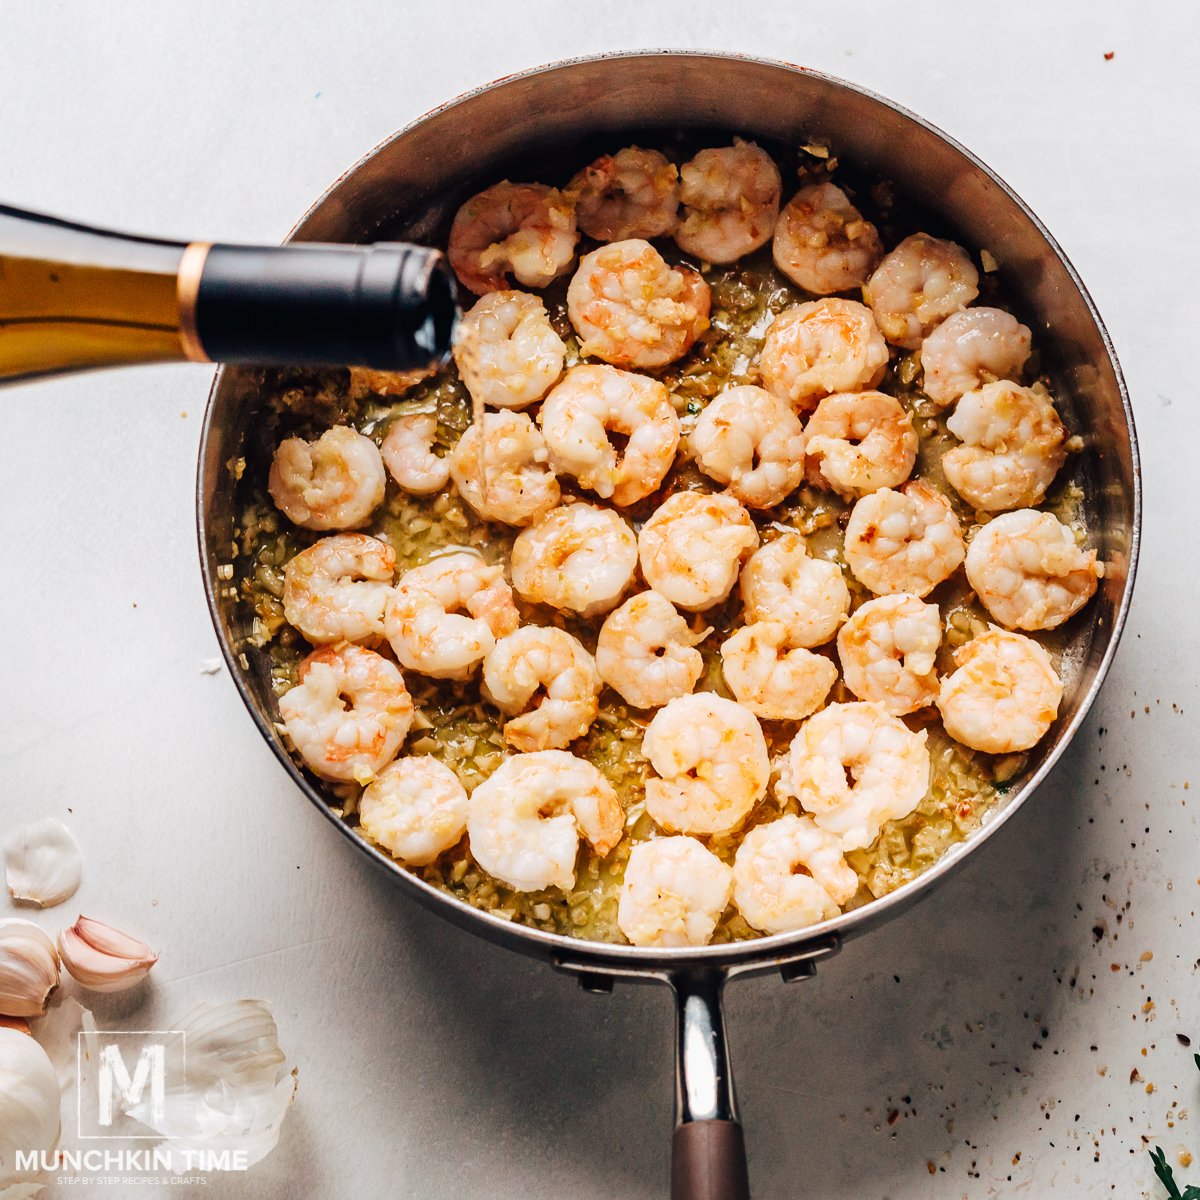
{"points": [[990, 1018]]}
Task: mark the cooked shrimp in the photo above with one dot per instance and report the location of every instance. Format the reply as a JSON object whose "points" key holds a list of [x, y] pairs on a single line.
{"points": [[518, 485], [809, 596], [547, 677], [348, 713], [407, 452], [888, 648], [673, 894], [918, 284], [631, 194], [692, 547], [335, 482], [853, 767], [632, 309], [646, 651], [525, 229], [507, 351], [790, 873], [711, 760], [1004, 695], [772, 678], [824, 346], [858, 443], [730, 199], [366, 380], [525, 820], [415, 808], [822, 243], [753, 442], [445, 615], [593, 401], [905, 541], [577, 557], [971, 348], [1013, 447], [336, 590], [1028, 570]]}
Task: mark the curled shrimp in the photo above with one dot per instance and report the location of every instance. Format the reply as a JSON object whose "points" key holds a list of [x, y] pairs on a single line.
{"points": [[631, 309], [971, 348], [904, 541], [407, 452], [753, 442], [524, 821], [855, 766], [547, 684], [525, 229], [348, 713], [415, 808], [1004, 695], [445, 615], [730, 198], [789, 874], [824, 346], [337, 589], [334, 482], [577, 557], [822, 243], [1028, 570], [507, 351], [673, 894], [501, 468], [773, 678], [782, 582], [1013, 447], [918, 284], [631, 194], [693, 546], [858, 443], [711, 762], [888, 649], [646, 651], [593, 401]]}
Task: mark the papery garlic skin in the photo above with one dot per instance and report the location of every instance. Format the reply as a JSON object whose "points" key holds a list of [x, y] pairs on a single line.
{"points": [[104, 959], [238, 1086], [29, 1103], [43, 863], [28, 968]]}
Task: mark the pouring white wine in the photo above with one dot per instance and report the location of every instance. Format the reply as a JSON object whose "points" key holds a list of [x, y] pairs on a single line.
{"points": [[74, 298]]}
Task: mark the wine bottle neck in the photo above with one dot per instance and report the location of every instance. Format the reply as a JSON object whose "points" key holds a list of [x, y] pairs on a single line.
{"points": [[72, 298]]}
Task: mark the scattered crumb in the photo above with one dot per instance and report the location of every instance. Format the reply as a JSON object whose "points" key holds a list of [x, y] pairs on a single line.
{"points": [[210, 666], [1108, 55], [988, 261]]}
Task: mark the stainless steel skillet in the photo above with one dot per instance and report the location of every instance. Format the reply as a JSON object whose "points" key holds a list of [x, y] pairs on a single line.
{"points": [[412, 183]]}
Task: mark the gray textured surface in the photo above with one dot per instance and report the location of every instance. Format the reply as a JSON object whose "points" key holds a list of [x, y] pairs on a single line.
{"points": [[992, 1020]]}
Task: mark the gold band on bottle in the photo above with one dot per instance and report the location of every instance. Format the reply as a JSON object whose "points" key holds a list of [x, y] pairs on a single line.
{"points": [[191, 267]]}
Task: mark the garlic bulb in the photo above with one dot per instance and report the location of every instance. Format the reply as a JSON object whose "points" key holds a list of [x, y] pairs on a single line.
{"points": [[29, 1101], [238, 1085], [28, 968], [43, 863], [102, 958]]}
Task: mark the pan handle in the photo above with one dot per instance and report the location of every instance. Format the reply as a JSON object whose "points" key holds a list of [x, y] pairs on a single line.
{"points": [[708, 1152]]}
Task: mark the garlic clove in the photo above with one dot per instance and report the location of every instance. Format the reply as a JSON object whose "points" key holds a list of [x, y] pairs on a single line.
{"points": [[29, 1109], [238, 1086], [104, 959], [43, 863], [28, 968]]}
